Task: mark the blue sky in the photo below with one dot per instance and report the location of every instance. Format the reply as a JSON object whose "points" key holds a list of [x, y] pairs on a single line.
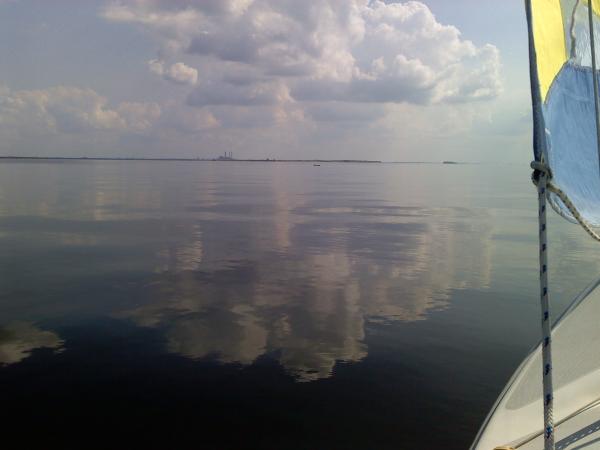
{"points": [[428, 80]]}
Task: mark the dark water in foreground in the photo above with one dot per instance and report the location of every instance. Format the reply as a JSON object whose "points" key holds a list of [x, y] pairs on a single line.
{"points": [[275, 306]]}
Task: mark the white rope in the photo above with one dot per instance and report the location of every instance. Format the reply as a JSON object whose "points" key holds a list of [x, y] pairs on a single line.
{"points": [[573, 210], [540, 177], [594, 77], [551, 187]]}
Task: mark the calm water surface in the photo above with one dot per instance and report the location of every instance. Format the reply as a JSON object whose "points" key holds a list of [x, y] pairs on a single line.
{"points": [[275, 306]]}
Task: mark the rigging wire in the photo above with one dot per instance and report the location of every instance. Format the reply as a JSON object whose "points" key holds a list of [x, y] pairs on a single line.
{"points": [[594, 78]]}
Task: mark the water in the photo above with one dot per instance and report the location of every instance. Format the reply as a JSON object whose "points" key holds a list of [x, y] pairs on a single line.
{"points": [[255, 305]]}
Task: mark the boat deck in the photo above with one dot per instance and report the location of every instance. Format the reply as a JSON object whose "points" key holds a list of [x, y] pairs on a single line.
{"points": [[579, 432]]}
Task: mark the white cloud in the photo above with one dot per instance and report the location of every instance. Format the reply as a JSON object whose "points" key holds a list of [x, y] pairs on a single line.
{"points": [[157, 67], [340, 50], [339, 113], [177, 73], [180, 73], [138, 116], [70, 110], [255, 116], [302, 73], [259, 93], [188, 120], [67, 120]]}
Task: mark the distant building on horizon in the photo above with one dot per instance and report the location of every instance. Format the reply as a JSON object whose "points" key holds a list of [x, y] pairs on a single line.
{"points": [[226, 156]]}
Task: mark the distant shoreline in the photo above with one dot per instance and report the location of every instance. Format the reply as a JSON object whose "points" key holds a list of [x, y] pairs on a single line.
{"points": [[267, 160], [99, 158]]}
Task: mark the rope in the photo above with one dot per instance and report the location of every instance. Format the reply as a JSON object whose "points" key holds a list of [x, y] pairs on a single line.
{"points": [[573, 210], [540, 176], [541, 168]]}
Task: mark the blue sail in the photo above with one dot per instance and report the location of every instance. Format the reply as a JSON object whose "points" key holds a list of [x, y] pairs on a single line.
{"points": [[553, 399], [571, 142]]}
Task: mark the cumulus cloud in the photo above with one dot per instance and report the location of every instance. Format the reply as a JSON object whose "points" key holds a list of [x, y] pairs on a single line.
{"points": [[259, 116], [300, 72], [138, 116], [177, 73], [71, 110], [188, 120], [337, 112], [259, 93], [327, 50]]}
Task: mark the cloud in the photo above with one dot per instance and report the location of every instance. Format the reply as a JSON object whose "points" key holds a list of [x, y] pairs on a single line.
{"points": [[261, 116], [188, 120], [259, 93], [336, 112], [138, 116], [282, 75], [70, 110], [327, 50], [178, 73]]}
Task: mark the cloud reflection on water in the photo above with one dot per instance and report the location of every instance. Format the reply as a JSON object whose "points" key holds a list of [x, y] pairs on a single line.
{"points": [[237, 261], [231, 292], [19, 339]]}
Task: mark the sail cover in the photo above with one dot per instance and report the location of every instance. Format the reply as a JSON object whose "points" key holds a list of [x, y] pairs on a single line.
{"points": [[563, 101]]}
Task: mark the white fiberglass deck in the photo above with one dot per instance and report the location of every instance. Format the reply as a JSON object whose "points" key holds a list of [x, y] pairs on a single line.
{"points": [[579, 432], [518, 413]]}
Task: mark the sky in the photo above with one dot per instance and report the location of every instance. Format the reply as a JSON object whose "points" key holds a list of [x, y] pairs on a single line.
{"points": [[426, 80]]}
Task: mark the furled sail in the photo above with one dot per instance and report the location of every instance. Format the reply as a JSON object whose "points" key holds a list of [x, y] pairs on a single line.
{"points": [[563, 91]]}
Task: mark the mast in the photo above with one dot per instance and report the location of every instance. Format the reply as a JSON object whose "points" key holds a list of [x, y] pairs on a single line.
{"points": [[594, 77], [541, 177]]}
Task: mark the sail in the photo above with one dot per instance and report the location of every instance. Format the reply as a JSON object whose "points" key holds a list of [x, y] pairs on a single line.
{"points": [[553, 399], [564, 103]]}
